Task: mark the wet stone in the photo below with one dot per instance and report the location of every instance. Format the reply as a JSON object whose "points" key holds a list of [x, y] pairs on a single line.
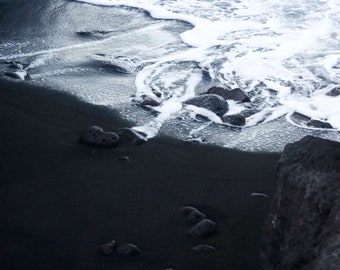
{"points": [[334, 92], [98, 137], [132, 135], [220, 91], [210, 102], [204, 248], [149, 101], [128, 250], [108, 248], [196, 216], [204, 228], [238, 95], [318, 124], [235, 120]]}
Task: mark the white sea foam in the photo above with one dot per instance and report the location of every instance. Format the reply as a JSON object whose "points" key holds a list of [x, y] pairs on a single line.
{"points": [[290, 48]]}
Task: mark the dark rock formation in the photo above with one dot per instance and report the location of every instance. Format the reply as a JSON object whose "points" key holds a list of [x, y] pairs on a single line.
{"points": [[303, 230], [318, 124], [98, 137], [235, 120], [204, 248], [210, 102], [227, 93], [196, 216]]}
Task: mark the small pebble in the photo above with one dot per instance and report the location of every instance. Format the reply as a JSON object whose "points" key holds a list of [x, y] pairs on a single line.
{"points": [[203, 228], [124, 159], [108, 248], [128, 249], [196, 216], [204, 248]]}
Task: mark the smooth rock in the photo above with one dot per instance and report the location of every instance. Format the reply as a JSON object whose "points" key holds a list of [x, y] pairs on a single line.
{"points": [[210, 102], [124, 159], [149, 101], [98, 137], [303, 229], [108, 248], [186, 210], [120, 64], [238, 95], [132, 135], [19, 75], [220, 91], [204, 248], [318, 124], [334, 92], [203, 228], [196, 216], [235, 120], [128, 249]]}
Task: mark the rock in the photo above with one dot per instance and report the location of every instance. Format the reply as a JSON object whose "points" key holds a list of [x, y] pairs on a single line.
{"points": [[318, 124], [124, 159], [19, 75], [196, 216], [227, 93], [93, 34], [203, 228], [128, 249], [220, 91], [149, 101], [98, 137], [334, 92], [210, 102], [238, 95], [186, 210], [204, 248], [132, 135], [108, 248], [302, 231], [120, 64], [235, 120]]}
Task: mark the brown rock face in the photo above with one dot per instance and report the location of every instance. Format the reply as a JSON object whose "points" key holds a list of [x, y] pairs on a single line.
{"points": [[303, 230]]}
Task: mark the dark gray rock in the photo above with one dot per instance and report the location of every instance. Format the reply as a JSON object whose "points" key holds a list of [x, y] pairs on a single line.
{"points": [[318, 124], [227, 93], [186, 210], [220, 91], [149, 101], [204, 248], [204, 228], [98, 137], [132, 135], [196, 216], [235, 120], [303, 229], [108, 248], [334, 92], [210, 102], [128, 249], [18, 75]]}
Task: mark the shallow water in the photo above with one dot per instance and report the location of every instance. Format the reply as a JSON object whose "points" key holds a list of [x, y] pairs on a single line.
{"points": [[285, 56]]}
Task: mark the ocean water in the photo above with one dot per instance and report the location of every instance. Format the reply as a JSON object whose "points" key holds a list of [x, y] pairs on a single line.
{"points": [[285, 55]]}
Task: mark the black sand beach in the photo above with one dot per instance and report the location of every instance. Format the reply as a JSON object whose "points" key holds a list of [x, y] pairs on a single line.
{"points": [[61, 200]]}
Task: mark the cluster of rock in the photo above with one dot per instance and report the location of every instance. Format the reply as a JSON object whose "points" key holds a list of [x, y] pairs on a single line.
{"points": [[202, 227], [96, 136], [15, 70], [123, 249], [303, 229]]}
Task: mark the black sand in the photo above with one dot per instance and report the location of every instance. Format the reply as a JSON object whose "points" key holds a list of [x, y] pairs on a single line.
{"points": [[59, 201]]}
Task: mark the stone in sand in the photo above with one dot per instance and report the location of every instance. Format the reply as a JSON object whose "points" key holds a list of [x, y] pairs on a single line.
{"points": [[235, 120], [196, 216], [334, 92], [149, 101], [19, 75], [318, 124], [203, 228], [98, 137], [132, 135], [204, 248], [128, 249], [220, 91], [211, 102], [186, 210], [108, 248], [227, 93]]}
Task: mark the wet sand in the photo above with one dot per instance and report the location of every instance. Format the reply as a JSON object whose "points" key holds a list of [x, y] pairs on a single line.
{"points": [[61, 200]]}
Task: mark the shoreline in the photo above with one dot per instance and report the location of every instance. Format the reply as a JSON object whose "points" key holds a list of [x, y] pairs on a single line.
{"points": [[62, 200]]}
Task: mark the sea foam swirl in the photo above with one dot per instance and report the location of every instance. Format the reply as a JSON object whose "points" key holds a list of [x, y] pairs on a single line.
{"points": [[285, 55]]}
